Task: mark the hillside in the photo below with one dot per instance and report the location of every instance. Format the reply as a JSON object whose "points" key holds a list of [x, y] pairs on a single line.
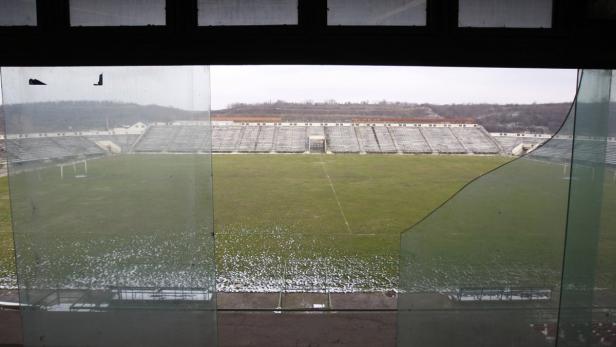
{"points": [[329, 110], [86, 115], [89, 115], [536, 118]]}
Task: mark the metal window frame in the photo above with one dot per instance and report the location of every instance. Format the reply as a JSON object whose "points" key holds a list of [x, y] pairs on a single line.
{"points": [[572, 42]]}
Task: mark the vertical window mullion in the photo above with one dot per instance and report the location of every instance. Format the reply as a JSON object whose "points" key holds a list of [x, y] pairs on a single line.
{"points": [[312, 14], [442, 16], [181, 15], [53, 13]]}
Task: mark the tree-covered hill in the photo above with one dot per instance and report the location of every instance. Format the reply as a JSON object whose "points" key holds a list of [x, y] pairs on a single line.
{"points": [[90, 115]]}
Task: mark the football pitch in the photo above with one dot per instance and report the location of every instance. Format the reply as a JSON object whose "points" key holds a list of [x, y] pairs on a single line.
{"points": [[281, 222]]}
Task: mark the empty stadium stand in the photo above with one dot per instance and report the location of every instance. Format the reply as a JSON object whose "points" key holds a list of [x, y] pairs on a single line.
{"points": [[248, 142], [341, 139], [508, 143], [556, 150], [442, 140], [250, 138], [291, 139], [610, 153], [44, 148], [367, 140], [265, 141], [156, 139], [474, 140], [384, 139], [190, 139], [316, 131], [170, 138], [226, 138], [410, 140], [274, 138], [125, 142]]}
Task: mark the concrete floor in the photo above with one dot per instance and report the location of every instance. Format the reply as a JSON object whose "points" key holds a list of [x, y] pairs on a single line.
{"points": [[359, 329], [278, 319]]}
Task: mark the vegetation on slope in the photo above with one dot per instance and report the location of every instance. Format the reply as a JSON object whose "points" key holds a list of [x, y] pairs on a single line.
{"points": [[89, 115]]}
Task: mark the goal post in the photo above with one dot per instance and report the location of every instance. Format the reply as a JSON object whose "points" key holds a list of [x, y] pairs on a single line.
{"points": [[316, 144], [79, 169]]}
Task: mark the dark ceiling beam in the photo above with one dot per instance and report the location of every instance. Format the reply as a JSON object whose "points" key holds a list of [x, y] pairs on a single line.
{"points": [[138, 48], [573, 43], [52, 14], [312, 14], [181, 16]]}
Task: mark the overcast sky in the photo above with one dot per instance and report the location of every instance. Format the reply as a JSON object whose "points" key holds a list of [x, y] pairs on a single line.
{"points": [[375, 83], [187, 87]]}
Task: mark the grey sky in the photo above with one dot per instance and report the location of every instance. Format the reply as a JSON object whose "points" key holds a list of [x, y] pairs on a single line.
{"points": [[187, 87], [375, 83]]}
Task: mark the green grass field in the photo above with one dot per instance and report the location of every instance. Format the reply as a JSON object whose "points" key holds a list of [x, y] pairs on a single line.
{"points": [[507, 229], [294, 222], [299, 222], [335, 221], [7, 251]]}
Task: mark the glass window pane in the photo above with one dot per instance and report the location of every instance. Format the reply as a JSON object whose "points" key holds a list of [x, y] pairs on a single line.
{"points": [[505, 13], [524, 254], [117, 12], [485, 267], [247, 12], [605, 273], [114, 246], [377, 12], [588, 278], [17, 12]]}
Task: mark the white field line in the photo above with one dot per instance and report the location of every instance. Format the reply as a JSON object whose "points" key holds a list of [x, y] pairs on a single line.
{"points": [[346, 222]]}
